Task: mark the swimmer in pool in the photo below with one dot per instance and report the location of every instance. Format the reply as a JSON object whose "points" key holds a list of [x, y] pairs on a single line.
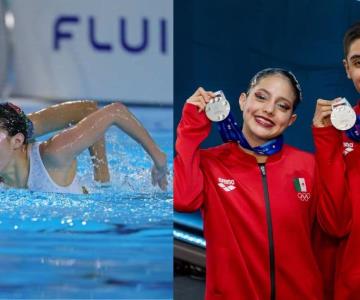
{"points": [[64, 115], [50, 166]]}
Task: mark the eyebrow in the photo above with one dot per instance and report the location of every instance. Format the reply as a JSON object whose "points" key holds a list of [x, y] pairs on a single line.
{"points": [[267, 92], [355, 56]]}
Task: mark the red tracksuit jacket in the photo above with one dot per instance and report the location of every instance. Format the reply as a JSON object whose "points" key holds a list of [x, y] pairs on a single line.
{"points": [[338, 160], [258, 219]]}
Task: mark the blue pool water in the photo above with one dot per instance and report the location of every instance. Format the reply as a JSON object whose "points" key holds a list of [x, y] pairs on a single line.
{"points": [[114, 243]]}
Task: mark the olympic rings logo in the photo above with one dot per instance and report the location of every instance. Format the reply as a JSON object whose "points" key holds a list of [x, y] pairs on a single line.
{"points": [[304, 196]]}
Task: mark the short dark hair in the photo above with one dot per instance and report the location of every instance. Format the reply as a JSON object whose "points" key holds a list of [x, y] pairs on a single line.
{"points": [[279, 71], [352, 34], [14, 121]]}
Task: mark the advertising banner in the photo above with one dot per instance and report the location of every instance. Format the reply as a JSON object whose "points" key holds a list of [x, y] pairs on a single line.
{"points": [[105, 50]]}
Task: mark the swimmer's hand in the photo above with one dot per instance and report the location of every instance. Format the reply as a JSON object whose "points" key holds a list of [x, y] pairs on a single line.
{"points": [[159, 176], [200, 98], [159, 170]]}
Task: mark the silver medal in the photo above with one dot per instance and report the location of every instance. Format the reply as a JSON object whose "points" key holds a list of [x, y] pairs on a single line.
{"points": [[343, 117], [218, 108]]}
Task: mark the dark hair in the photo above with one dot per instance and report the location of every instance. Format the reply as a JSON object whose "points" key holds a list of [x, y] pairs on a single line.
{"points": [[353, 33], [278, 71], [14, 121]]}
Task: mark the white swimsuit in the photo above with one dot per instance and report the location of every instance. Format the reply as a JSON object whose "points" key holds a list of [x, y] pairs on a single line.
{"points": [[39, 179]]}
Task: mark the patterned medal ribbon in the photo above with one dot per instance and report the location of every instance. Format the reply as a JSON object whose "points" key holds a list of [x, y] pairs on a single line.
{"points": [[230, 131]]}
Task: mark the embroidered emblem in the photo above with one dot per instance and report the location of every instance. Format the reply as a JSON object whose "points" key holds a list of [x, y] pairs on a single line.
{"points": [[300, 187], [227, 185]]}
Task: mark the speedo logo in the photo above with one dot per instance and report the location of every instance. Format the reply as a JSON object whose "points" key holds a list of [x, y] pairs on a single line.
{"points": [[348, 147], [226, 184]]}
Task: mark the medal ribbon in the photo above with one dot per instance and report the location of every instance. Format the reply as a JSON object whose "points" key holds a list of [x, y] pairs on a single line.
{"points": [[354, 132], [230, 131]]}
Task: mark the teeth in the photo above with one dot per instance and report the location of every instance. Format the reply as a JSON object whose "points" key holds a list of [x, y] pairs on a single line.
{"points": [[265, 121]]}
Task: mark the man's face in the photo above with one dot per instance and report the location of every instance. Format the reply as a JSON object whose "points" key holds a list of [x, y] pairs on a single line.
{"points": [[352, 64]]}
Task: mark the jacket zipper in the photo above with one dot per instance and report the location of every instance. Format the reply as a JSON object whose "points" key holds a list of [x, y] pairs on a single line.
{"points": [[270, 231]]}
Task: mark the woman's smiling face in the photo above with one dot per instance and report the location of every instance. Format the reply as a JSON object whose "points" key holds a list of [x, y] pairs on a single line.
{"points": [[267, 109]]}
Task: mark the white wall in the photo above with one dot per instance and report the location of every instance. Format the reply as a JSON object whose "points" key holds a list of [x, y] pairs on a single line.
{"points": [[94, 49], [4, 54]]}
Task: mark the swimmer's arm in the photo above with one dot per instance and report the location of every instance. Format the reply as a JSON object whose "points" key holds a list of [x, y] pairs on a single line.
{"points": [[64, 115], [60, 116], [65, 146], [99, 160]]}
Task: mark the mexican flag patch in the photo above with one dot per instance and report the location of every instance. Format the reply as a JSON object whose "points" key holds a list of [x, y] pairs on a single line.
{"points": [[300, 185]]}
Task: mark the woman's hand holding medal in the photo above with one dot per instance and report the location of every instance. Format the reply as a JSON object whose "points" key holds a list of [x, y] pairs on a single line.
{"points": [[200, 98], [216, 107]]}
